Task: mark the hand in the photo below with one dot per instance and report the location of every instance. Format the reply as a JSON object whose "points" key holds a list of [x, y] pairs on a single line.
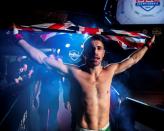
{"points": [[15, 30], [16, 33], [17, 80], [150, 42], [68, 106]]}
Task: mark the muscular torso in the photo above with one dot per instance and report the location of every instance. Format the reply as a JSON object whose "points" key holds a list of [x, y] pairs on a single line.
{"points": [[92, 98]]}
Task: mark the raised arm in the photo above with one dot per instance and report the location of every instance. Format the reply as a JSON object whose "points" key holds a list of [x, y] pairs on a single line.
{"points": [[38, 55], [133, 58]]}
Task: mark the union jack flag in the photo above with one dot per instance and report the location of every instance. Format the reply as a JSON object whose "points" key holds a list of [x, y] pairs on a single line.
{"points": [[125, 39]]}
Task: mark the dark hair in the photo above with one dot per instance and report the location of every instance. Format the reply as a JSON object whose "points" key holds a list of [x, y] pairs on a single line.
{"points": [[92, 38]]}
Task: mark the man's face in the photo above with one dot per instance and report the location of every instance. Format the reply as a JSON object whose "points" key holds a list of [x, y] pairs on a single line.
{"points": [[95, 53]]}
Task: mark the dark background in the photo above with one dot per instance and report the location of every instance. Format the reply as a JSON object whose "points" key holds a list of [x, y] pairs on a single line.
{"points": [[86, 13], [144, 81]]}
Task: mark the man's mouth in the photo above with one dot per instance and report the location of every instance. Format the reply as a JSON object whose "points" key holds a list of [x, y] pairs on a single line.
{"points": [[96, 58]]}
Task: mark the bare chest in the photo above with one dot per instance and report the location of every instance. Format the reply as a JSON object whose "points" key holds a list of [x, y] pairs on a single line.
{"points": [[92, 86]]}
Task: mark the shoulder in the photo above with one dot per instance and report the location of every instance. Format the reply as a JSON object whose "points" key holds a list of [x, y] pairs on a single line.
{"points": [[73, 68], [111, 66]]}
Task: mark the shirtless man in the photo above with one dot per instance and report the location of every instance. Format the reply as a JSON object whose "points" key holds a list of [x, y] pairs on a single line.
{"points": [[91, 81]]}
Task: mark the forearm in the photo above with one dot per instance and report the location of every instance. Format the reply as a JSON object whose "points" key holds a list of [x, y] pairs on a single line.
{"points": [[42, 58], [35, 53], [131, 60], [137, 55]]}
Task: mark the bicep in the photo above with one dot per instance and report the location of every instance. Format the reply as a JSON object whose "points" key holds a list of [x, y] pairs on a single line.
{"points": [[124, 65], [56, 64], [42, 58]]}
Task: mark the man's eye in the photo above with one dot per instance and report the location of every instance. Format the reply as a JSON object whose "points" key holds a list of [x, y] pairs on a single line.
{"points": [[99, 48]]}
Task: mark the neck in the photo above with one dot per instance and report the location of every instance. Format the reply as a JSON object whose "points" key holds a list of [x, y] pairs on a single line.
{"points": [[94, 69]]}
